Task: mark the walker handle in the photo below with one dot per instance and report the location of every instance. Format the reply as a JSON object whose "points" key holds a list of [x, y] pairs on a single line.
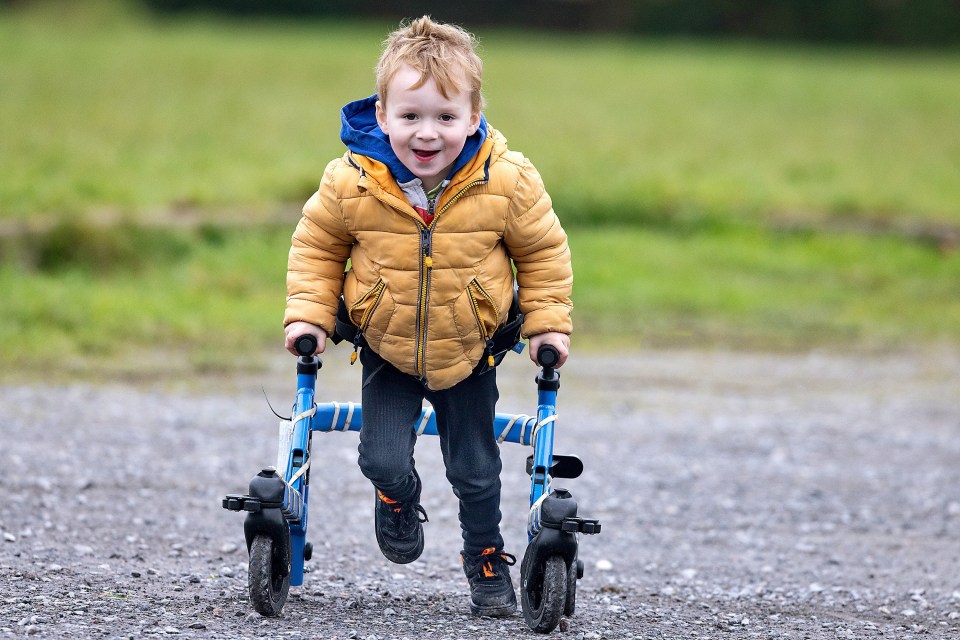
{"points": [[548, 356], [305, 345]]}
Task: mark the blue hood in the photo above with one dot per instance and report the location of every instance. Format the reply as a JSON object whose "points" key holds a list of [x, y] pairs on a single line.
{"points": [[361, 133]]}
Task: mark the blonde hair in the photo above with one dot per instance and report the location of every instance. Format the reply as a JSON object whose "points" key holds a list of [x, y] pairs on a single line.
{"points": [[444, 52]]}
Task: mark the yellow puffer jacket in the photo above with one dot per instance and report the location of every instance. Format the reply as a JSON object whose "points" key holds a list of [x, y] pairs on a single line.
{"points": [[428, 298]]}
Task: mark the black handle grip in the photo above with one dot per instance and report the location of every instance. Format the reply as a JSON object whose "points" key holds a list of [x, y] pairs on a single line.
{"points": [[305, 345], [548, 356]]}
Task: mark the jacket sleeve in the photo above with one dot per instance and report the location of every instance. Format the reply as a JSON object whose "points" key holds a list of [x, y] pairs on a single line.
{"points": [[538, 245], [318, 255]]}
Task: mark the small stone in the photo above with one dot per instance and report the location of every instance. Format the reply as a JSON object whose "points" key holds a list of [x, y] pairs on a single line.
{"points": [[228, 547], [908, 613], [604, 565], [135, 574], [389, 612], [198, 625], [171, 630], [9, 537]]}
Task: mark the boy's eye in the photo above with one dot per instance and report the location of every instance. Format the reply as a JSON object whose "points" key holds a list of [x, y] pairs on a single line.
{"points": [[446, 117], [409, 116]]}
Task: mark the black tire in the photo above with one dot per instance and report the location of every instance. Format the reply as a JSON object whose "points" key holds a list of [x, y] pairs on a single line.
{"points": [[269, 579], [570, 605], [542, 594]]}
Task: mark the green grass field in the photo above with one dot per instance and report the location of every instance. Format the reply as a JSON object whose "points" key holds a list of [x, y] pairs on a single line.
{"points": [[729, 194]]}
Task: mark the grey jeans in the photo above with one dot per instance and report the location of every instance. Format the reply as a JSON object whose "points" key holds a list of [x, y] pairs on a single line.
{"points": [[392, 402]]}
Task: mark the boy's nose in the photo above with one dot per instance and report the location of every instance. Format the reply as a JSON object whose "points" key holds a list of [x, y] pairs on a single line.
{"points": [[426, 131]]}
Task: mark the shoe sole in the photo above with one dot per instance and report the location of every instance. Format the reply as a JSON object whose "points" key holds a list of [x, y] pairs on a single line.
{"points": [[501, 611], [396, 557]]}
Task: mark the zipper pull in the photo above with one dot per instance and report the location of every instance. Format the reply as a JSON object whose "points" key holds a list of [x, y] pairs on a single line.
{"points": [[425, 248], [356, 347], [490, 360]]}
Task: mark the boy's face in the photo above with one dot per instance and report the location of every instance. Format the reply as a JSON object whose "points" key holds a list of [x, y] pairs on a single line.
{"points": [[427, 131]]}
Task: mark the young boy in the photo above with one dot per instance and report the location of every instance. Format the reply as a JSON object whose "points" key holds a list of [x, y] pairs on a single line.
{"points": [[434, 213]]}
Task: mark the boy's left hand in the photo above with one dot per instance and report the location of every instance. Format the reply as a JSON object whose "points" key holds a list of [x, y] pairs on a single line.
{"points": [[560, 341]]}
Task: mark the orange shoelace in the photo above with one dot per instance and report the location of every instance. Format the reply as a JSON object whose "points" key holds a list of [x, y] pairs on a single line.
{"points": [[488, 566], [388, 500]]}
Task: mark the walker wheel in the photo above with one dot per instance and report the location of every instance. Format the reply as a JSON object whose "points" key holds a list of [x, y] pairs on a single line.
{"points": [[574, 572], [543, 592], [269, 579]]}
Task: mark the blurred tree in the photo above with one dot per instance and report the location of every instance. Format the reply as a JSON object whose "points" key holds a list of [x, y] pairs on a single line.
{"points": [[895, 22]]}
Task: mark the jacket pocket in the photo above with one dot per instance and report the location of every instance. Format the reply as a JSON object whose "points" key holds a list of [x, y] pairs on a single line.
{"points": [[484, 309], [362, 310]]}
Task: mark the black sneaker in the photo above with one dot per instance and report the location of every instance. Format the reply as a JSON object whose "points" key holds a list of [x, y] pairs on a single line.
{"points": [[491, 589], [399, 527]]}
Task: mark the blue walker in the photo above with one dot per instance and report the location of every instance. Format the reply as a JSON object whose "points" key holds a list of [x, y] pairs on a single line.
{"points": [[275, 526]]}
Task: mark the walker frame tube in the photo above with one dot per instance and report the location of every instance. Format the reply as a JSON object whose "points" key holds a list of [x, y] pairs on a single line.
{"points": [[348, 416]]}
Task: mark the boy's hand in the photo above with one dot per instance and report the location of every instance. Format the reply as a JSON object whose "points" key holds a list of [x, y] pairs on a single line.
{"points": [[296, 329], [560, 341]]}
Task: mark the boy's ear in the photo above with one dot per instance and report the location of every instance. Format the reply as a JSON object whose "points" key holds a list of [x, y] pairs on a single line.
{"points": [[474, 122], [381, 117]]}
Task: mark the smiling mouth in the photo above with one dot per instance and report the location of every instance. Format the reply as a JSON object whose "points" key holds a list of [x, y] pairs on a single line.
{"points": [[425, 155]]}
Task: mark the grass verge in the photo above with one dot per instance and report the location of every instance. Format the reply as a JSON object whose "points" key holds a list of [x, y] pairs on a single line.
{"points": [[209, 293], [107, 107]]}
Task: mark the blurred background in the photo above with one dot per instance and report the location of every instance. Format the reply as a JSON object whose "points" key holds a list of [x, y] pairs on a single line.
{"points": [[738, 175], [903, 22]]}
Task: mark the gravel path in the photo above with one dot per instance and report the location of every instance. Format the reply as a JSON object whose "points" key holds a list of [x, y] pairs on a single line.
{"points": [[742, 496]]}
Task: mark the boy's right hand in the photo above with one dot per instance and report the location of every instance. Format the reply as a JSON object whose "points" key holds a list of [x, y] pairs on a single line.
{"points": [[296, 329]]}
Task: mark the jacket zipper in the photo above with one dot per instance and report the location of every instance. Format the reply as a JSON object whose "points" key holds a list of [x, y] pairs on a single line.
{"points": [[475, 300], [377, 293], [426, 265]]}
